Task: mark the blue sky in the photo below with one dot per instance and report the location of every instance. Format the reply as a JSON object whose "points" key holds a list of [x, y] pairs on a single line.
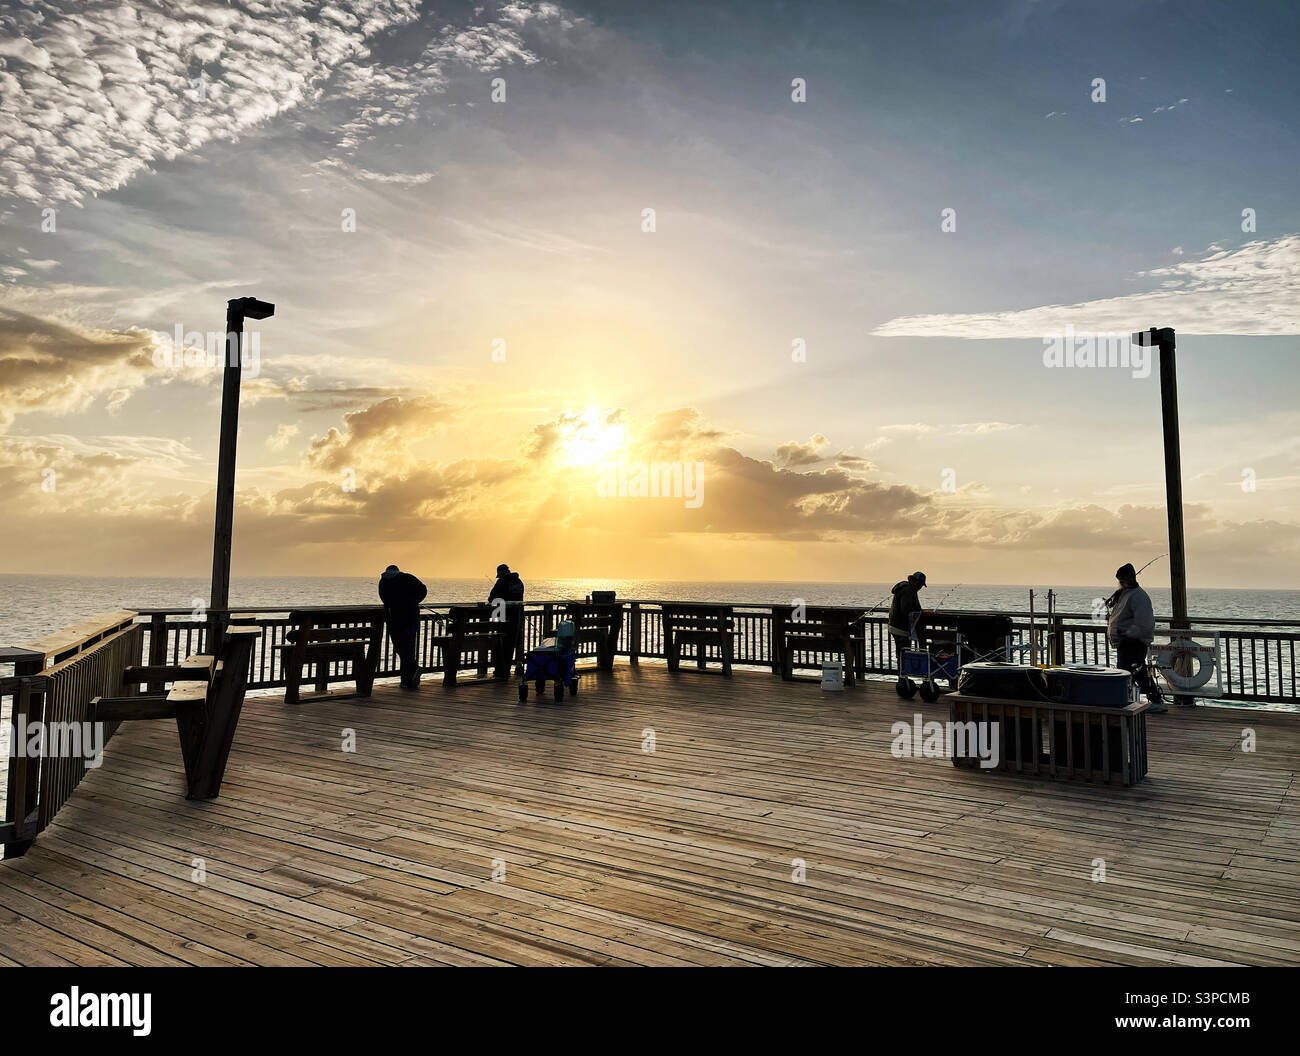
{"points": [[521, 221]]}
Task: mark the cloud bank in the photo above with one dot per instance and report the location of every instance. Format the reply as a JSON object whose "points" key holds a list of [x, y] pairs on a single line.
{"points": [[1252, 290]]}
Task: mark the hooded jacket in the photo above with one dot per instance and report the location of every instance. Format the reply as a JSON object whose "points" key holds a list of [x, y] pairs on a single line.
{"points": [[401, 594], [508, 587], [905, 603], [1131, 616]]}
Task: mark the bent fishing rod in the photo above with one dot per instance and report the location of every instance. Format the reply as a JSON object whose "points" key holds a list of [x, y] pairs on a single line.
{"points": [[1110, 602]]}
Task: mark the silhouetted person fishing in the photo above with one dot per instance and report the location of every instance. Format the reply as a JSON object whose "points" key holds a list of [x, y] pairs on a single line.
{"points": [[401, 594], [905, 611], [1131, 629]]}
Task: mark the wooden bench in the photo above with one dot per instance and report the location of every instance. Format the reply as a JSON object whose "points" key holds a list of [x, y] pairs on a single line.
{"points": [[472, 629], [700, 626], [1063, 740], [205, 698], [598, 623], [324, 636], [820, 630]]}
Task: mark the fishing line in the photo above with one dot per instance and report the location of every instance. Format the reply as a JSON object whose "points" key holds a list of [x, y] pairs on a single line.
{"points": [[946, 597]]}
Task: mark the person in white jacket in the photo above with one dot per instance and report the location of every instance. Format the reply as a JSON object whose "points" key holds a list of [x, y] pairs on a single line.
{"points": [[1131, 629]]}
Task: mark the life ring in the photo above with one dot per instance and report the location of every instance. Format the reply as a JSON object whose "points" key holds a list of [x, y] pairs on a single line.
{"points": [[1186, 682]]}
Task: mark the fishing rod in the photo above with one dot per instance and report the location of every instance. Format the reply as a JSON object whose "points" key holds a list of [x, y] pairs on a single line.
{"points": [[1110, 602], [876, 607], [946, 597], [1149, 564]]}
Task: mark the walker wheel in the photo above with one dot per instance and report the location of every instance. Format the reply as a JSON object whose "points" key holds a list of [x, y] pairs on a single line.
{"points": [[573, 688], [929, 692], [541, 686], [559, 691], [905, 688], [523, 690]]}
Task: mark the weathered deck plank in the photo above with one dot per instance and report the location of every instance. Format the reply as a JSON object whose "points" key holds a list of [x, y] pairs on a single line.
{"points": [[678, 857]]}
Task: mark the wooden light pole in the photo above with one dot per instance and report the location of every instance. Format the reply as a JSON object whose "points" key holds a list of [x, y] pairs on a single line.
{"points": [[1163, 340], [237, 310]]}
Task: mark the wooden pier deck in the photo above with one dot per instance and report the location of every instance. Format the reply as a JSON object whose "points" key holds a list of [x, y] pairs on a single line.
{"points": [[612, 855]]}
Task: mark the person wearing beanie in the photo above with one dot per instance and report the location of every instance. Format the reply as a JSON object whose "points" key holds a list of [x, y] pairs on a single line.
{"points": [[1130, 630], [401, 594]]}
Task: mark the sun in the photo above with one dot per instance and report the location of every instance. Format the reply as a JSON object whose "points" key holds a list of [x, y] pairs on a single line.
{"points": [[591, 437]]}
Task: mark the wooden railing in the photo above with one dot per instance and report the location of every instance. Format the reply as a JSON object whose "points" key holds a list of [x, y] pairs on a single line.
{"points": [[53, 682], [55, 679], [1259, 656]]}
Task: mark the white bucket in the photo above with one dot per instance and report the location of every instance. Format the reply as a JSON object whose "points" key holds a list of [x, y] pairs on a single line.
{"points": [[832, 675]]}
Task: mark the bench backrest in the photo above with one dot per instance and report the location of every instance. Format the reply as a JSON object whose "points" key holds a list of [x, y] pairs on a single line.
{"points": [[697, 618], [474, 619], [593, 616], [818, 620], [331, 625]]}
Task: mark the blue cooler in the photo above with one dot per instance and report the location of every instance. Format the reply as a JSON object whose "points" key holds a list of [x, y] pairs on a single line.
{"points": [[1096, 687]]}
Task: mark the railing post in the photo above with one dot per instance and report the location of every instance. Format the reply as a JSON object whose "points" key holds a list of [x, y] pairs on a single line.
{"points": [[21, 773], [634, 636], [30, 769], [158, 648]]}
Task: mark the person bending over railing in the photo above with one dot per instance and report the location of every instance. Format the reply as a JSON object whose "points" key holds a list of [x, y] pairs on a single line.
{"points": [[401, 594]]}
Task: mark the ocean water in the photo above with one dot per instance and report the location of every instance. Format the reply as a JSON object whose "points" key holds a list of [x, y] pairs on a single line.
{"points": [[32, 606]]}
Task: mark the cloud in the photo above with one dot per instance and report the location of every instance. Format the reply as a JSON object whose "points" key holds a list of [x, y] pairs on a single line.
{"points": [[279, 440], [97, 91], [380, 435], [409, 179], [374, 97], [1252, 290], [927, 428], [980, 428], [60, 476], [49, 366], [684, 429], [411, 505], [796, 454]]}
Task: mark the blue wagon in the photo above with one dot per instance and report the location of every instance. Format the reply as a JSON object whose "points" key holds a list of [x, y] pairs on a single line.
{"points": [[553, 661], [947, 642], [924, 666]]}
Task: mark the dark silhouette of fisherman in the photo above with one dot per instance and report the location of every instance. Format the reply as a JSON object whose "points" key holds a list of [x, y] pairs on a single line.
{"points": [[1131, 629], [401, 594], [510, 588], [905, 613]]}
